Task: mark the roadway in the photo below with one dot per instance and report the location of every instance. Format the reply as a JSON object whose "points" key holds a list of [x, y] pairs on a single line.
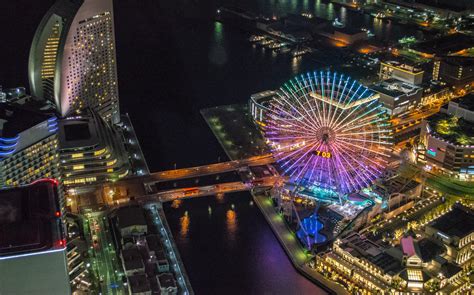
{"points": [[210, 169], [104, 261]]}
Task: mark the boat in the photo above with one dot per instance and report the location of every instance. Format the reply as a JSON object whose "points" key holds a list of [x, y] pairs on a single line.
{"points": [[336, 23], [277, 45], [300, 52], [256, 38], [369, 33], [266, 42]]}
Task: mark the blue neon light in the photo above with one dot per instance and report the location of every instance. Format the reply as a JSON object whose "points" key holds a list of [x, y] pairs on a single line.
{"points": [[8, 140], [7, 147]]}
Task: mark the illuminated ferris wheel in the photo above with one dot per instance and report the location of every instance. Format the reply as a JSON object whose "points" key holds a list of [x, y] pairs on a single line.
{"points": [[329, 132]]}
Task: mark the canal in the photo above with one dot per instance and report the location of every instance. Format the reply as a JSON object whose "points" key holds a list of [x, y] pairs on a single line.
{"points": [[228, 248]]}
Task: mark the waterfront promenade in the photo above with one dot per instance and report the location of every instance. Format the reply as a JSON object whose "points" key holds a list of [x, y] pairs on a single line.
{"points": [[298, 256]]}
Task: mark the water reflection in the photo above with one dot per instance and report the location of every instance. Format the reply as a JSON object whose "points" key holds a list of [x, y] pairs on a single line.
{"points": [[184, 225], [218, 32], [217, 52], [378, 26], [343, 15], [296, 64], [231, 224], [330, 11], [176, 203]]}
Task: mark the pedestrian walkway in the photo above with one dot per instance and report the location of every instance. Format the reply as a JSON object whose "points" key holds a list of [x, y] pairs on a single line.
{"points": [[293, 248]]}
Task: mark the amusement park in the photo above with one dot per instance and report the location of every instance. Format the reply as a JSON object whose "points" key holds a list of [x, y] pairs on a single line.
{"points": [[330, 138]]}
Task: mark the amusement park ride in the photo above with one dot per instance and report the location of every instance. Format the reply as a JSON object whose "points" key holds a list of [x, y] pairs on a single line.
{"points": [[330, 137]]}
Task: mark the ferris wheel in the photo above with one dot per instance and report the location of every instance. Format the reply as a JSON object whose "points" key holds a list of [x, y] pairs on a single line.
{"points": [[328, 131]]}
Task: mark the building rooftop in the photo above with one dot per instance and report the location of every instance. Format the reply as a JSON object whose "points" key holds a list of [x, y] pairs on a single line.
{"points": [[16, 118], [154, 243], [30, 219], [452, 129], [359, 246], [77, 132], [130, 215], [394, 88], [445, 45], [166, 280], [139, 283], [458, 222], [408, 246], [462, 61], [465, 102], [429, 250], [132, 259], [403, 66]]}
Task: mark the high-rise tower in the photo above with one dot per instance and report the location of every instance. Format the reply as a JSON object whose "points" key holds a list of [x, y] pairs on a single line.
{"points": [[72, 58]]}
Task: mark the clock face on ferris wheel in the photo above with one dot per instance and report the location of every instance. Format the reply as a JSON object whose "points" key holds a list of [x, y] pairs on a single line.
{"points": [[328, 130]]}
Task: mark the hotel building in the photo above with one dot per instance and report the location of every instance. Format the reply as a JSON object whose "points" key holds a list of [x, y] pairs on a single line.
{"points": [[90, 150], [32, 241], [28, 143], [72, 58], [456, 71]]}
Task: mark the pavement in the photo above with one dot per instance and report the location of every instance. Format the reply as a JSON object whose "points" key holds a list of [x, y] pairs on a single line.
{"points": [[176, 264], [292, 246]]}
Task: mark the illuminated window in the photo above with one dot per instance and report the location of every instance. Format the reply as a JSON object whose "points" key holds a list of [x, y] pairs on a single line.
{"points": [[78, 167], [414, 275], [79, 155], [99, 152]]}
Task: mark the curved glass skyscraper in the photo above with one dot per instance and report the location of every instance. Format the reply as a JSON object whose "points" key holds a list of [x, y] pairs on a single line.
{"points": [[72, 58]]}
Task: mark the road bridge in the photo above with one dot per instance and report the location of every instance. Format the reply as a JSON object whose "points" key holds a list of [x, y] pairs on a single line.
{"points": [[140, 187]]}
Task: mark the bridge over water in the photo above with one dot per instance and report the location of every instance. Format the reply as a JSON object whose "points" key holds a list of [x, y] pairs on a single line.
{"points": [[144, 187]]}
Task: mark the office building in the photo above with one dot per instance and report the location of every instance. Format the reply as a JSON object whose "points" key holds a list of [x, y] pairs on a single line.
{"points": [[72, 58], [398, 97], [401, 71], [28, 141], [90, 150], [32, 241], [457, 72]]}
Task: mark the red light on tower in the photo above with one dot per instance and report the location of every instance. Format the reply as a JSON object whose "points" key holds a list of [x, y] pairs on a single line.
{"points": [[57, 214]]}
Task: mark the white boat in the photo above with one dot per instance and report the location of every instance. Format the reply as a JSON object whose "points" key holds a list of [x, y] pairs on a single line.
{"points": [[336, 23]]}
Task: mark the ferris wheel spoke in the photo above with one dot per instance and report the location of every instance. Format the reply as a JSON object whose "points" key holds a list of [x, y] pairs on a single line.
{"points": [[346, 101], [295, 154], [307, 117], [341, 123], [340, 95], [304, 91], [353, 170], [291, 116]]}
